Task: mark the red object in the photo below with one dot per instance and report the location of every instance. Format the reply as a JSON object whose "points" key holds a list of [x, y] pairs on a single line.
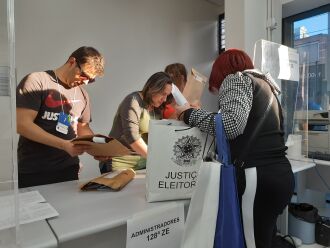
{"points": [[228, 62], [168, 111], [50, 102]]}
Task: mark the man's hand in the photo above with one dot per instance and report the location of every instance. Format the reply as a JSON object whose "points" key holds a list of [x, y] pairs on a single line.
{"points": [[27, 128], [72, 149]]}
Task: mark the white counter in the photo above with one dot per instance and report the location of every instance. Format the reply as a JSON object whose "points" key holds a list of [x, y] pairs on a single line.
{"points": [[301, 165], [94, 219], [98, 219]]}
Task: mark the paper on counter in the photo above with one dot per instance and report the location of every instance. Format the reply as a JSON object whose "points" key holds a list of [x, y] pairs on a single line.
{"points": [[32, 207], [31, 197], [35, 212]]}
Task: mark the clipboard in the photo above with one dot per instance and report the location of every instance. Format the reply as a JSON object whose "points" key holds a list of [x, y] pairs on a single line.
{"points": [[101, 145]]}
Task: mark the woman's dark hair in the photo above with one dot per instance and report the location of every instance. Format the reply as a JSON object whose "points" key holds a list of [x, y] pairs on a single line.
{"points": [[156, 84], [177, 71]]}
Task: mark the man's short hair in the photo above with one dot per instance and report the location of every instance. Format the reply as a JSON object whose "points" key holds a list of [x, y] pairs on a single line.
{"points": [[91, 56]]}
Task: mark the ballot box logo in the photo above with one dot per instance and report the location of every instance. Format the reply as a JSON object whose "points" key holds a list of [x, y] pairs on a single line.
{"points": [[186, 151]]}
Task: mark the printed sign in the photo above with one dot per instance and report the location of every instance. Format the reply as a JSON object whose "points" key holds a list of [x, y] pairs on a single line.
{"points": [[289, 64], [161, 227]]}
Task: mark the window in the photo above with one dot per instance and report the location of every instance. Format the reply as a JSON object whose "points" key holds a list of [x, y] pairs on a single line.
{"points": [[4, 80], [309, 33], [221, 33]]}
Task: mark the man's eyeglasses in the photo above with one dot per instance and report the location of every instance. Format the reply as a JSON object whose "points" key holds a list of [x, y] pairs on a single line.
{"points": [[84, 75]]}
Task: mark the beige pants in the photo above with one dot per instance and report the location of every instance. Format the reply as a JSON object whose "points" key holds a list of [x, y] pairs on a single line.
{"points": [[129, 161]]}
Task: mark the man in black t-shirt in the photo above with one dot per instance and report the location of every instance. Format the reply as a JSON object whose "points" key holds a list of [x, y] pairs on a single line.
{"points": [[52, 108]]}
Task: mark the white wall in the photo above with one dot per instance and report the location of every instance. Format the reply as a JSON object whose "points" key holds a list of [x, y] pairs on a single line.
{"points": [[137, 38], [234, 16], [3, 34], [246, 23]]}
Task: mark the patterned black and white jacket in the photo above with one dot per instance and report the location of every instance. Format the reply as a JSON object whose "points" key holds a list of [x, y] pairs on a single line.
{"points": [[235, 103]]}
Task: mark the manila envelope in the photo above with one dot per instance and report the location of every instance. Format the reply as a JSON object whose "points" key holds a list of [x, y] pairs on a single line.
{"points": [[101, 145], [110, 182], [194, 87]]}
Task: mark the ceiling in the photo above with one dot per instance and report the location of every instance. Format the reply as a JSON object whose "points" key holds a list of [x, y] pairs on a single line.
{"points": [[218, 2], [298, 6], [289, 7]]}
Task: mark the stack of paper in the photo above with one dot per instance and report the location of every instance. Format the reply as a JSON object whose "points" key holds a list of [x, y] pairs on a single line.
{"points": [[32, 207]]}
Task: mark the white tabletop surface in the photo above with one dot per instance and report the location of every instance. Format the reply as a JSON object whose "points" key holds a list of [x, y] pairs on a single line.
{"points": [[85, 213], [301, 164]]}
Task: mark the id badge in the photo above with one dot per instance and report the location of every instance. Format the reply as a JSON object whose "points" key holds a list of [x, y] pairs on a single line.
{"points": [[63, 123]]}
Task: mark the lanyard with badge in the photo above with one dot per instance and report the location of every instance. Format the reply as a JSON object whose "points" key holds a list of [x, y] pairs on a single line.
{"points": [[64, 120]]}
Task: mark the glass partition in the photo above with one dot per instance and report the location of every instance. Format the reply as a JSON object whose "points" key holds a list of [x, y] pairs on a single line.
{"points": [[309, 33], [9, 221], [311, 39], [287, 68]]}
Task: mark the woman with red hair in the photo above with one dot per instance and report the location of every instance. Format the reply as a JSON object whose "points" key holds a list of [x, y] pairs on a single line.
{"points": [[264, 177]]}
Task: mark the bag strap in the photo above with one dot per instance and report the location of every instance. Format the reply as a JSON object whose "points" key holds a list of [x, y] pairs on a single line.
{"points": [[210, 155], [240, 160], [223, 149]]}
